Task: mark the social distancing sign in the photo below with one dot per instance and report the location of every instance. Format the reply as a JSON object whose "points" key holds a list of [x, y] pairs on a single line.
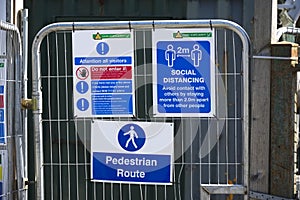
{"points": [[183, 72], [132, 152]]}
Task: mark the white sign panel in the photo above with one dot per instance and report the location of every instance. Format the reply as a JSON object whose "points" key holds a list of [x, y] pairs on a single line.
{"points": [[3, 173], [132, 152], [3, 69], [183, 72], [3, 33], [103, 73]]}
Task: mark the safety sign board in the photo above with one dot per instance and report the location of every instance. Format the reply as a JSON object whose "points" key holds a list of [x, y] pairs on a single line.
{"points": [[3, 69], [183, 72], [103, 78], [132, 152], [3, 174]]}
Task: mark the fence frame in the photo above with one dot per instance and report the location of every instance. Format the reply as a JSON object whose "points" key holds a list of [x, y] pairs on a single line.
{"points": [[71, 26], [18, 133]]}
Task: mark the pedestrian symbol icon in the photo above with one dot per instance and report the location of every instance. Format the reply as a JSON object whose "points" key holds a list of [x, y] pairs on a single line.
{"points": [[131, 137]]}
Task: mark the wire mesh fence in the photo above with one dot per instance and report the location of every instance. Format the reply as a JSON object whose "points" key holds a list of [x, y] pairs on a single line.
{"points": [[208, 151], [12, 133]]}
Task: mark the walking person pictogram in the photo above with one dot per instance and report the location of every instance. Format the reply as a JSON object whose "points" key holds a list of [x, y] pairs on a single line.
{"points": [[132, 135]]}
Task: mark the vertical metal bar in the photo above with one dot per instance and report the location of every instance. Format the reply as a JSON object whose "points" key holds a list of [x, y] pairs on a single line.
{"points": [[10, 117], [67, 114], [145, 73], [217, 103], [18, 119], [245, 98], [85, 159], [145, 85], [129, 194], [50, 117], [141, 192], [111, 191], [209, 154], [58, 116], [95, 190], [121, 196], [24, 79], [103, 190], [200, 152], [76, 159], [175, 184], [36, 120], [191, 158], [135, 69], [225, 60], [235, 109]]}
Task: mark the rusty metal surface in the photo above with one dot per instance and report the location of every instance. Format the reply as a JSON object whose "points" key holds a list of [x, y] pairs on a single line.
{"points": [[283, 87]]}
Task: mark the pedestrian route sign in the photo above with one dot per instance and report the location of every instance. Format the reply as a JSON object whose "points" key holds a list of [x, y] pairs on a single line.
{"points": [[183, 72], [103, 81], [132, 152]]}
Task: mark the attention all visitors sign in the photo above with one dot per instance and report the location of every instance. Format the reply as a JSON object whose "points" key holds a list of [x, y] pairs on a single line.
{"points": [[103, 78], [132, 152]]}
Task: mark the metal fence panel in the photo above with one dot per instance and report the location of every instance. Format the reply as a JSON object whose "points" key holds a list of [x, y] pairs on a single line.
{"points": [[211, 153], [12, 145]]}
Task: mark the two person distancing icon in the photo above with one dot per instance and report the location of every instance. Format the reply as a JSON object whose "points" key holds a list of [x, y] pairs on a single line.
{"points": [[195, 54], [132, 135]]}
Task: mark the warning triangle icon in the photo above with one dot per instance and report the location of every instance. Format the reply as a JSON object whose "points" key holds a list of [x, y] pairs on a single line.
{"points": [[178, 35], [97, 36]]}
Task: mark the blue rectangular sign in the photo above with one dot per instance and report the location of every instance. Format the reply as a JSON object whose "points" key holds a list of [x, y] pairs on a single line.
{"points": [[183, 84], [1, 115], [184, 74], [112, 86], [112, 104], [2, 133], [132, 152], [131, 167], [103, 60]]}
